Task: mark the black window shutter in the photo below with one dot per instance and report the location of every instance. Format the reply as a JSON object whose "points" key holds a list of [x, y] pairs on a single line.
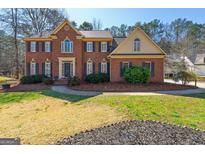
{"points": [[43, 68], [93, 46], [99, 67], [37, 46], [37, 68], [152, 69], [51, 70], [85, 69], [85, 46], [51, 46], [99, 46], [28, 46], [108, 46], [121, 70], [28, 69], [93, 68], [108, 69], [130, 64], [43, 46]]}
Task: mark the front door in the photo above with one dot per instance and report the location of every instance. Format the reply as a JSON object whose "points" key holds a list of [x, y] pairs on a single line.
{"points": [[67, 69]]}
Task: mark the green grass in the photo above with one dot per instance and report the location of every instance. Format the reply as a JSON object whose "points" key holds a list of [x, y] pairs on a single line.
{"points": [[17, 97], [182, 110]]}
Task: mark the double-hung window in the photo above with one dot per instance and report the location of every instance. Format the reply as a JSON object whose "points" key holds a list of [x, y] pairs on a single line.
{"points": [[125, 65], [47, 46], [147, 65], [103, 46], [48, 69], [89, 46], [104, 67], [33, 68], [33, 46], [67, 46], [89, 67], [137, 44]]}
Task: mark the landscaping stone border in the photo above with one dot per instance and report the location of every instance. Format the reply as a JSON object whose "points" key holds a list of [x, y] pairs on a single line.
{"points": [[138, 132]]}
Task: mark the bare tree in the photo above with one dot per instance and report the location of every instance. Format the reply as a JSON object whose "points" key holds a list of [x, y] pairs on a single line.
{"points": [[97, 24], [38, 20], [10, 19]]}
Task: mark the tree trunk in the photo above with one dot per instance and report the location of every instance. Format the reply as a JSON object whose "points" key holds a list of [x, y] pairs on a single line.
{"points": [[15, 29]]}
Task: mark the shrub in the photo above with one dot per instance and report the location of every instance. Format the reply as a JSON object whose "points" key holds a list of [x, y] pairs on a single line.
{"points": [[185, 77], [92, 78], [103, 77], [32, 79], [48, 81], [136, 74], [73, 81]]}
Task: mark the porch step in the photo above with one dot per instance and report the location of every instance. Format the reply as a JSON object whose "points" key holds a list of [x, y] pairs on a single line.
{"points": [[61, 82]]}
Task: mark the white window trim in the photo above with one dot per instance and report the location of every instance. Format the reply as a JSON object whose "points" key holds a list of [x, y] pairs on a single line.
{"points": [[33, 46], [91, 49], [47, 46], [89, 70], [126, 62], [150, 65], [136, 46], [63, 49], [105, 64], [103, 43], [46, 69], [33, 72]]}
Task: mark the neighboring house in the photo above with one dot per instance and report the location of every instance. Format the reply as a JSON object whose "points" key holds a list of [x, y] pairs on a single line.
{"points": [[199, 65], [170, 61], [69, 52]]}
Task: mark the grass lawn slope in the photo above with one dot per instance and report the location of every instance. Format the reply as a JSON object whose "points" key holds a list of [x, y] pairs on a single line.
{"points": [[45, 117]]}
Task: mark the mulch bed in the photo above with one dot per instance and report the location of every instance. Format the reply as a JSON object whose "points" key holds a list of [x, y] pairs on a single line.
{"points": [[125, 87], [26, 87], [138, 132]]}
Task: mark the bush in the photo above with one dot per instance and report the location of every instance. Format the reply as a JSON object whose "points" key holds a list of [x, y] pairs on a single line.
{"points": [[92, 78], [136, 74], [48, 81], [73, 81], [103, 77], [32, 79], [185, 77]]}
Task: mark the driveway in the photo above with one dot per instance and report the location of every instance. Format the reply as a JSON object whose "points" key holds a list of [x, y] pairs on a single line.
{"points": [[200, 84]]}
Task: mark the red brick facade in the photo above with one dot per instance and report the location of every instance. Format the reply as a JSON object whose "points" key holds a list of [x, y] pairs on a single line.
{"points": [[81, 56], [158, 70]]}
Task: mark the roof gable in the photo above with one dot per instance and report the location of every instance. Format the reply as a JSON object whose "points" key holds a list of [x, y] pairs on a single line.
{"points": [[60, 26], [148, 46]]}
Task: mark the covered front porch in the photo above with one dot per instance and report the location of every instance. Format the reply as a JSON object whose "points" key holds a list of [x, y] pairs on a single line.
{"points": [[66, 67]]}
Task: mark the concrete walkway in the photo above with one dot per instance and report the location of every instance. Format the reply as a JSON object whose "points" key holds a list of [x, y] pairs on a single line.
{"points": [[66, 90]]}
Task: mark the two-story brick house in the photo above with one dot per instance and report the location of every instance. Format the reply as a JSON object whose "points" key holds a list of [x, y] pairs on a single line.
{"points": [[69, 52]]}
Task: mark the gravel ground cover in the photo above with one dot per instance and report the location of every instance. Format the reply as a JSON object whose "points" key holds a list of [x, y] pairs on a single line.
{"points": [[138, 132]]}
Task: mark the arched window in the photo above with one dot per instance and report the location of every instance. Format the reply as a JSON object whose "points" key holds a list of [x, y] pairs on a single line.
{"points": [[67, 46], [89, 67], [137, 44]]}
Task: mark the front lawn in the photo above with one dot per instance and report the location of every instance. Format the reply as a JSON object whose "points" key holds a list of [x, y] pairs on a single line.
{"points": [[45, 117]]}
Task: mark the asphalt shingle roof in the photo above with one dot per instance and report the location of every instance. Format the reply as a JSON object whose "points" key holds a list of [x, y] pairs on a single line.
{"points": [[97, 34]]}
